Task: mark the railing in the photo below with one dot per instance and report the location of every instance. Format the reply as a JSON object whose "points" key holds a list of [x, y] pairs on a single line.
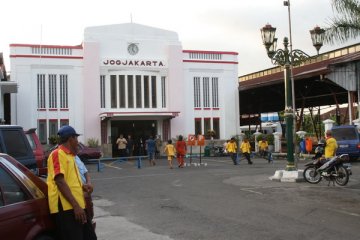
{"points": [[100, 165]]}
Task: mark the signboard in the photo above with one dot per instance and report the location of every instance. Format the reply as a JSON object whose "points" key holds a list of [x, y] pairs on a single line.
{"points": [[200, 140], [191, 140]]}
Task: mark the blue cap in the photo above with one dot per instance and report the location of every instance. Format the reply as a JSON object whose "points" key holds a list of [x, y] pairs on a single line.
{"points": [[67, 131]]}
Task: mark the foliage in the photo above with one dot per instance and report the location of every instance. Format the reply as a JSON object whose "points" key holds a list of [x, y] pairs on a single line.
{"points": [[92, 142], [54, 139], [211, 133], [270, 139], [346, 24]]}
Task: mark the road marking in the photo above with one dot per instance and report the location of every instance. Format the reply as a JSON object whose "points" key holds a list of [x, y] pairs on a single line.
{"points": [[344, 212], [110, 165], [249, 190]]}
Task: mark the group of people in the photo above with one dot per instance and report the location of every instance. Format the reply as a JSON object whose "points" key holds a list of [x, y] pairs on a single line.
{"points": [[127, 146], [245, 148]]}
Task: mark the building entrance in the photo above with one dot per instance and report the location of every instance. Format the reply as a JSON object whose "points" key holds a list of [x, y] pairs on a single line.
{"points": [[139, 130]]}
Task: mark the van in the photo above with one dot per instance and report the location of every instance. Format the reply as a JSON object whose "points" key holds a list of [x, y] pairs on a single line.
{"points": [[14, 143], [348, 140], [38, 151]]}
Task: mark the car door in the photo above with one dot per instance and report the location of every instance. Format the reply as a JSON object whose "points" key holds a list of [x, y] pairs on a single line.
{"points": [[19, 210]]}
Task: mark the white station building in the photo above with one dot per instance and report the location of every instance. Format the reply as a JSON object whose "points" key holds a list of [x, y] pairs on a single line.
{"points": [[126, 79]]}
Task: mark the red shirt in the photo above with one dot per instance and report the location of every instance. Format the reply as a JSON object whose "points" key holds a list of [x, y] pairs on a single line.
{"points": [[181, 147]]}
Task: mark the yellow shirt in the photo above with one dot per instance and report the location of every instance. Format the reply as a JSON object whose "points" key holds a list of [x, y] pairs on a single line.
{"points": [[62, 161], [169, 150], [245, 147], [231, 147], [330, 147], [263, 145]]}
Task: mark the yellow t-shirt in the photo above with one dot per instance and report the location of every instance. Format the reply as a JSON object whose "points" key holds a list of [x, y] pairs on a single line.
{"points": [[330, 147], [62, 161], [169, 150], [231, 147]]}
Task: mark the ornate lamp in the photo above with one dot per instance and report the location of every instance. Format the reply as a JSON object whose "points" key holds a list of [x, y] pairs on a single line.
{"points": [[317, 37]]}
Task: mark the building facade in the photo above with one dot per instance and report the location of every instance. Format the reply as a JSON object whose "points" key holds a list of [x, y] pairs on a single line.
{"points": [[126, 79]]}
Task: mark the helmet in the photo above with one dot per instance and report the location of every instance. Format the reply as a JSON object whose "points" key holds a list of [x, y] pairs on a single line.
{"points": [[321, 142]]}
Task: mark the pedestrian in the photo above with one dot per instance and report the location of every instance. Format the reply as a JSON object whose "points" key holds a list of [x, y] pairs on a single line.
{"points": [[181, 151], [170, 152], [150, 148], [89, 206], [263, 148], [231, 149], [330, 145], [158, 146], [65, 189], [130, 146], [121, 143], [246, 149]]}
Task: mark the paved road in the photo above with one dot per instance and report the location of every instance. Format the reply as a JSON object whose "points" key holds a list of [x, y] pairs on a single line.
{"points": [[221, 201]]}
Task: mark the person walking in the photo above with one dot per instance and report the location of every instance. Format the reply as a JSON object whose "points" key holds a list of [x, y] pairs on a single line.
{"points": [[231, 149], [130, 146], [65, 189], [121, 143], [263, 148], [181, 151], [170, 152], [150, 148], [246, 149], [330, 145]]}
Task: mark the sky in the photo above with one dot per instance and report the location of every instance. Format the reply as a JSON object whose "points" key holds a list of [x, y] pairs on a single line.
{"points": [[227, 25]]}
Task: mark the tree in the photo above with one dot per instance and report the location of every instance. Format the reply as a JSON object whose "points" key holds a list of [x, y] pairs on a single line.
{"points": [[346, 24]]}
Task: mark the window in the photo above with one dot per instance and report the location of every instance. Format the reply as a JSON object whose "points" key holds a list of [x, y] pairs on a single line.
{"points": [[198, 126], [207, 126], [42, 131], [130, 91], [52, 91], [146, 92], [10, 191], [53, 127], [163, 92], [41, 103], [215, 92], [122, 91], [138, 92], [216, 127], [15, 143], [102, 91], [206, 92], [153, 91], [113, 92], [197, 100], [63, 91], [64, 122]]}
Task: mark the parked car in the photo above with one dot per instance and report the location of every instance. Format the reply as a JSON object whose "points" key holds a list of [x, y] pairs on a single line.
{"points": [[37, 150], [84, 153], [24, 210], [348, 140], [14, 142]]}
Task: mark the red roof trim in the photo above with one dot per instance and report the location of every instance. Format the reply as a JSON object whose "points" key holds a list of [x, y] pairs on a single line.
{"points": [[42, 56], [213, 52], [48, 46], [203, 61]]}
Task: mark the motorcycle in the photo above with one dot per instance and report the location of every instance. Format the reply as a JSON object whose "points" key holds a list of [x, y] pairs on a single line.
{"points": [[332, 170]]}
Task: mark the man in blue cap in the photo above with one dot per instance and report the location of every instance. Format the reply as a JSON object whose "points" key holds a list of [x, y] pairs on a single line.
{"points": [[65, 189]]}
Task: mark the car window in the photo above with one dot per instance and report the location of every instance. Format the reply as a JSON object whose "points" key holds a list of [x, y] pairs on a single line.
{"points": [[15, 143], [11, 191], [31, 141], [341, 134]]}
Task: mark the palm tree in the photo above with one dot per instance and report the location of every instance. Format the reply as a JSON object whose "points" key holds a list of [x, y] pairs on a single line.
{"points": [[346, 24]]}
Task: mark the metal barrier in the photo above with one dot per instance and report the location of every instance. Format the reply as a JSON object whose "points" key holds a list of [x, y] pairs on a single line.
{"points": [[100, 165]]}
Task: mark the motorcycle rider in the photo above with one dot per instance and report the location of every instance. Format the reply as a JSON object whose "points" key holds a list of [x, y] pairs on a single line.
{"points": [[331, 145]]}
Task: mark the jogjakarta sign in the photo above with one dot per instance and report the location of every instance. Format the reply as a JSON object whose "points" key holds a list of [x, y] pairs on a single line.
{"points": [[133, 63]]}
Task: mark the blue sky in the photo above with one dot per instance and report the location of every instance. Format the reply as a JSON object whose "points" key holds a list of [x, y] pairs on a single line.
{"points": [[227, 25]]}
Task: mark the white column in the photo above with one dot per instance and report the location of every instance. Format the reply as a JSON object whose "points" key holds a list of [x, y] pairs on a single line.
{"points": [[328, 124], [277, 141], [256, 134]]}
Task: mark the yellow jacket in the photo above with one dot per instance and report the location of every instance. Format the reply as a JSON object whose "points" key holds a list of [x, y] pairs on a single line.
{"points": [[263, 145], [245, 147], [330, 147], [231, 147], [169, 150]]}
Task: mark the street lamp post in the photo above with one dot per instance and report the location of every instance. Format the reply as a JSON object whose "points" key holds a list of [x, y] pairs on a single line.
{"points": [[286, 58]]}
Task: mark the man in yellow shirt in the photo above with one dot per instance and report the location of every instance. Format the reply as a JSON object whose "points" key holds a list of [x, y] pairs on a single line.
{"points": [[263, 147], [65, 189], [246, 149], [331, 145], [231, 149]]}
